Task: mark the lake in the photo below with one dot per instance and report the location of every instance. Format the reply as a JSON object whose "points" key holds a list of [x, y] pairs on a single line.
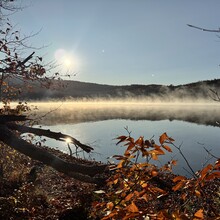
{"points": [[192, 125]]}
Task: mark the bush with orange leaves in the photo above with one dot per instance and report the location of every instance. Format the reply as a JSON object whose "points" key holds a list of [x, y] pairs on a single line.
{"points": [[142, 190]]}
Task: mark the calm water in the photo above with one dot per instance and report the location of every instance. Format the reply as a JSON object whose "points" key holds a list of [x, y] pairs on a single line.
{"points": [[193, 127]]}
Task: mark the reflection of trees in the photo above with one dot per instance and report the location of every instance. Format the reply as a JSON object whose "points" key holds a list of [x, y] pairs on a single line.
{"points": [[204, 114]]}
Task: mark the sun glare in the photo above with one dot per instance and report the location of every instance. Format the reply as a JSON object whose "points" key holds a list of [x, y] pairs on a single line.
{"points": [[68, 140], [67, 60]]}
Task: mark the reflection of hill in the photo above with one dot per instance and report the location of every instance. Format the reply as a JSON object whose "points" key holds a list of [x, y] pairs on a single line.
{"points": [[73, 89], [71, 113]]}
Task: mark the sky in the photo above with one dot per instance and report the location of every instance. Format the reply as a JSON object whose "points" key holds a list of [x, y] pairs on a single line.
{"points": [[123, 42]]}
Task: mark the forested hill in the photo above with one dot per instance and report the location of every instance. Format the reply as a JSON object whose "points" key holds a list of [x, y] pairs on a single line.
{"points": [[67, 89]]}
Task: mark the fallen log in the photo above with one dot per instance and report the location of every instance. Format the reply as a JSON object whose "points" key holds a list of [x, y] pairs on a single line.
{"points": [[82, 172], [47, 133]]}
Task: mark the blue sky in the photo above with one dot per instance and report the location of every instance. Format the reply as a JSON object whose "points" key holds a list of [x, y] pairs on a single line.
{"points": [[127, 41]]}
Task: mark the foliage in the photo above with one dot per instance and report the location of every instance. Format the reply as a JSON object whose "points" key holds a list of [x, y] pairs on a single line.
{"points": [[139, 189]]}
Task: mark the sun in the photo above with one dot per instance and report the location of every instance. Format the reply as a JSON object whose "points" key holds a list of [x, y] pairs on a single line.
{"points": [[67, 60]]}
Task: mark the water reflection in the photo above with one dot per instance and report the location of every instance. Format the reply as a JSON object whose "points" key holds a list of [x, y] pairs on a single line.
{"points": [[98, 125], [204, 114]]}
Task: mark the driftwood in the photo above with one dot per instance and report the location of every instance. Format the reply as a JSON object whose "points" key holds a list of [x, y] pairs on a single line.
{"points": [[82, 172]]}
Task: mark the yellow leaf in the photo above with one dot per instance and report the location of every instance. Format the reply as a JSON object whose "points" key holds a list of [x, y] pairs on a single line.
{"points": [[199, 214], [132, 208]]}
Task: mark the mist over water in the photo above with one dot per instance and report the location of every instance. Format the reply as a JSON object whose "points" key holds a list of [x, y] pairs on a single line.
{"points": [[77, 112]]}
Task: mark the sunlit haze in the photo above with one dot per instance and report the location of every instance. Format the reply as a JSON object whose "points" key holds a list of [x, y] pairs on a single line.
{"points": [[126, 41]]}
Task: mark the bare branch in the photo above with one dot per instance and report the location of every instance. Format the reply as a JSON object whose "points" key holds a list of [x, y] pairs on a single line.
{"points": [[203, 29]]}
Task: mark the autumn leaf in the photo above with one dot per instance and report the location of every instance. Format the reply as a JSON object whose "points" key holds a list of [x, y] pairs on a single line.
{"points": [[178, 178], [120, 165], [131, 145], [173, 162], [163, 138], [121, 139], [198, 194], [118, 157], [154, 156], [205, 170], [154, 173], [110, 205], [129, 196], [132, 208], [199, 214], [167, 148], [140, 141], [178, 186]]}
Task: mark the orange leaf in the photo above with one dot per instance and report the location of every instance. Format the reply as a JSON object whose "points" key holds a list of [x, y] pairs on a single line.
{"points": [[154, 156], [173, 162], [120, 165], [110, 205], [140, 141], [167, 148], [178, 178], [115, 181], [131, 145], [199, 214], [132, 208], [178, 186], [154, 173], [144, 185], [163, 137], [184, 196], [129, 196], [205, 170], [171, 139], [198, 194], [212, 176]]}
